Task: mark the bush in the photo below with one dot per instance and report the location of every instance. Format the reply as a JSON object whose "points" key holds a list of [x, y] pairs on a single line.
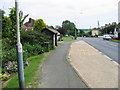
{"points": [[9, 55], [30, 50], [38, 49], [4, 77], [34, 37], [52, 47], [119, 35], [11, 67], [33, 44]]}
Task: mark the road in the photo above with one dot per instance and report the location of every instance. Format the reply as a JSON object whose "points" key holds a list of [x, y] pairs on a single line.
{"points": [[107, 47], [58, 73]]}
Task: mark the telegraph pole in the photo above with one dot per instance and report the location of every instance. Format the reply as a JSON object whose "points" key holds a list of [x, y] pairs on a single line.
{"points": [[19, 51]]}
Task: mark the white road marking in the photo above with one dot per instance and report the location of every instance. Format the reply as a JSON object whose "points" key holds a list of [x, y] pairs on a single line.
{"points": [[113, 44]]}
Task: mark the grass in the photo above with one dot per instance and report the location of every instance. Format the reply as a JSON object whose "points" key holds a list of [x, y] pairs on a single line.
{"points": [[60, 43], [67, 39], [115, 40], [29, 72]]}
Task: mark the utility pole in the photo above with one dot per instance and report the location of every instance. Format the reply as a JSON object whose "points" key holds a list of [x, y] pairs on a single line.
{"points": [[19, 51]]}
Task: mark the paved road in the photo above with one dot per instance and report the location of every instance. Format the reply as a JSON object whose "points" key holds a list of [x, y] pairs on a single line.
{"points": [[58, 73], [107, 47]]}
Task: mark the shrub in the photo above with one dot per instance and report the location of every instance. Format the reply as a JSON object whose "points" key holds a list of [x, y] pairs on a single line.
{"points": [[52, 47], [4, 77], [9, 55], [119, 35], [30, 50], [34, 37], [38, 49], [11, 67]]}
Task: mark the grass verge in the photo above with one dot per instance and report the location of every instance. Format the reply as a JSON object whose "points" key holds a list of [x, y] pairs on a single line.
{"points": [[29, 72], [67, 39], [114, 40], [60, 43]]}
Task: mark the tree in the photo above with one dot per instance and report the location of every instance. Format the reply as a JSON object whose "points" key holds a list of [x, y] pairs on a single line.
{"points": [[69, 27], [1, 14], [1, 20], [6, 27], [81, 33], [39, 25], [109, 29], [61, 30], [9, 26], [12, 16], [51, 27]]}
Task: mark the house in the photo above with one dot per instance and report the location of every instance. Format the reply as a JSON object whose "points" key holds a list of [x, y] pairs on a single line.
{"points": [[117, 30], [29, 25], [54, 35], [95, 31]]}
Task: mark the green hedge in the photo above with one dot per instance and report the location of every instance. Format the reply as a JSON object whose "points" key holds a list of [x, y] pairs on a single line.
{"points": [[33, 44]]}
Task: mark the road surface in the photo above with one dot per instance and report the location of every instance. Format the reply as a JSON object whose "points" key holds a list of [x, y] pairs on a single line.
{"points": [[107, 47], [58, 73]]}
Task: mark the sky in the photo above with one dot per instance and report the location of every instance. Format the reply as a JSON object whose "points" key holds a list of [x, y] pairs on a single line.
{"points": [[84, 13]]}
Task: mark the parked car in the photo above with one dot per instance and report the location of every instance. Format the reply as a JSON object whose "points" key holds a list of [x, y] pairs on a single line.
{"points": [[114, 37], [106, 37]]}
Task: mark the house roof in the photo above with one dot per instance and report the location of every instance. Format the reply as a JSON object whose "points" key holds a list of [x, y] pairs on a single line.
{"points": [[29, 25], [24, 27]]}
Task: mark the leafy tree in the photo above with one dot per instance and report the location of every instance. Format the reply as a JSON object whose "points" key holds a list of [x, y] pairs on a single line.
{"points": [[109, 29], [12, 16], [39, 25], [90, 33], [1, 14], [61, 30], [22, 18], [51, 27], [1, 20], [69, 27], [81, 33], [6, 26]]}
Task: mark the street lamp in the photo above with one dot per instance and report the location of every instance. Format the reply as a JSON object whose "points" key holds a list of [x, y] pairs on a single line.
{"points": [[75, 34], [19, 51]]}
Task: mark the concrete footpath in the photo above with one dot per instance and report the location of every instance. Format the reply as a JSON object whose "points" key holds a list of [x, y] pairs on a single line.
{"points": [[96, 69], [58, 73]]}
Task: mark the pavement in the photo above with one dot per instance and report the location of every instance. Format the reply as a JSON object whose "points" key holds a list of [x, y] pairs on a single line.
{"points": [[95, 68], [57, 71]]}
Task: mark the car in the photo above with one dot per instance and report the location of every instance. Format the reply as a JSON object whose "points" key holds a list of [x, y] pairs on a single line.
{"points": [[106, 37]]}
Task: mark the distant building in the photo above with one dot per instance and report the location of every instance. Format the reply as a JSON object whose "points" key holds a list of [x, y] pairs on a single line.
{"points": [[117, 30], [95, 31], [29, 25]]}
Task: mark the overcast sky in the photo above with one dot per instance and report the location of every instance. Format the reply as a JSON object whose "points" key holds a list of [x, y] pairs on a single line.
{"points": [[84, 13]]}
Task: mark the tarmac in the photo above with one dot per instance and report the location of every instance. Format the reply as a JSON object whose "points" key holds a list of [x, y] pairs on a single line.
{"points": [[57, 71], [96, 69]]}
